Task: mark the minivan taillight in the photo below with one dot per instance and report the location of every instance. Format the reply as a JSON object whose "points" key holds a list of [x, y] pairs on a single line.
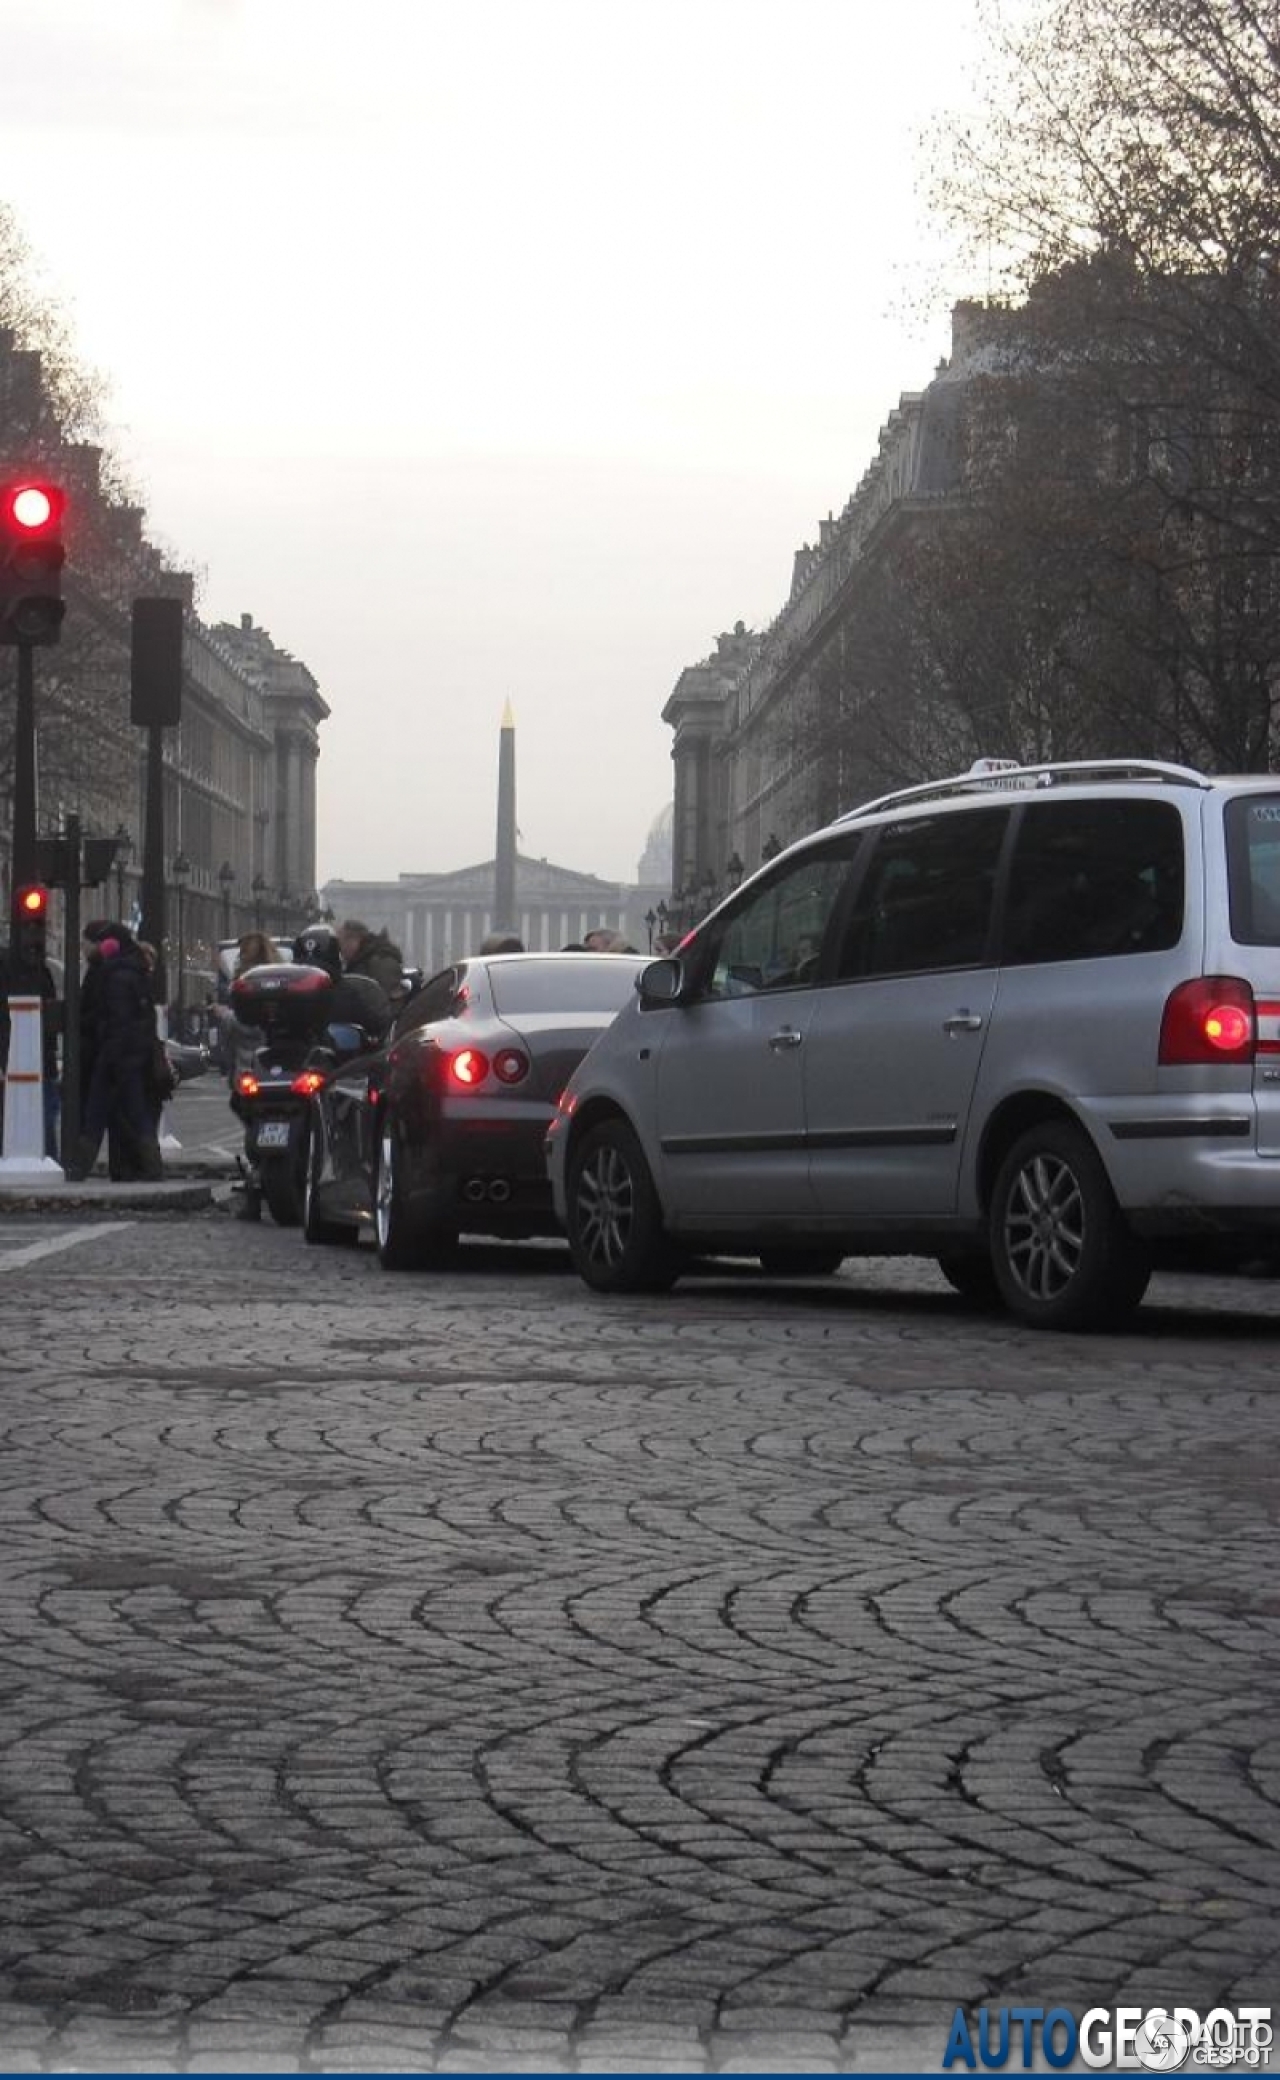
{"points": [[1212, 1019]]}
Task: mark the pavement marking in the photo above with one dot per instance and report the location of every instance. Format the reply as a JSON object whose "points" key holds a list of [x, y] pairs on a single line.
{"points": [[54, 1244]]}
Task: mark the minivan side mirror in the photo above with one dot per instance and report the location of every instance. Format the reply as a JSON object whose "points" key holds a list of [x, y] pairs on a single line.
{"points": [[662, 982]]}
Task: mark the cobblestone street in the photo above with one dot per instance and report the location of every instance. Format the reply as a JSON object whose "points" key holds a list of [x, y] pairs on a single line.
{"points": [[463, 1673]]}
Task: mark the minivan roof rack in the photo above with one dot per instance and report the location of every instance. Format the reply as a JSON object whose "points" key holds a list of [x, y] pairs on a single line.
{"points": [[989, 775]]}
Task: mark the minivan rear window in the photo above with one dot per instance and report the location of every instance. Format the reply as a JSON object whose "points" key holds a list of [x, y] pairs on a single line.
{"points": [[1092, 879], [1253, 868]]}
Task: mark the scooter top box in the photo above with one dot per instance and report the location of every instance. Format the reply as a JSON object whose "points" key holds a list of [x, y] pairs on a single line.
{"points": [[284, 998]]}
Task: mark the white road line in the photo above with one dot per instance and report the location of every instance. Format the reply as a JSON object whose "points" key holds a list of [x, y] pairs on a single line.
{"points": [[69, 1239]]}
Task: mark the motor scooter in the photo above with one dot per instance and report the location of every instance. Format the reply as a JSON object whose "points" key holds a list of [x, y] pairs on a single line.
{"points": [[272, 1085]]}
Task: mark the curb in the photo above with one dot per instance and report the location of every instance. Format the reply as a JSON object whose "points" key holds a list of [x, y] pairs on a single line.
{"points": [[188, 1195]]}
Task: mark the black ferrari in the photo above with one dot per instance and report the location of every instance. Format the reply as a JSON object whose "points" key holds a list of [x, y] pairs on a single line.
{"points": [[441, 1132]]}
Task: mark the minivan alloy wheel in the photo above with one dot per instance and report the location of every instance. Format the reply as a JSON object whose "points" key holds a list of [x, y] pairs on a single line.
{"points": [[1044, 1225], [606, 1204], [1062, 1253], [616, 1230]]}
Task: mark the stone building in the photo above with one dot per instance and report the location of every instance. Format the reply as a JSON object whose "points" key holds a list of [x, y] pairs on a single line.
{"points": [[240, 770], [745, 777]]}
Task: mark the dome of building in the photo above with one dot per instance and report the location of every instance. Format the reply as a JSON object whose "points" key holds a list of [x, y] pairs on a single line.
{"points": [[654, 870]]}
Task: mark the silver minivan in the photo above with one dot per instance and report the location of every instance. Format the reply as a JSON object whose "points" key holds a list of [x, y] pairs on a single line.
{"points": [[1026, 1021]]}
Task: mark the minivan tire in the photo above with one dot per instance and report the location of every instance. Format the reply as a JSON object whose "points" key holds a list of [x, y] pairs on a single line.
{"points": [[972, 1277], [1062, 1253], [616, 1236]]}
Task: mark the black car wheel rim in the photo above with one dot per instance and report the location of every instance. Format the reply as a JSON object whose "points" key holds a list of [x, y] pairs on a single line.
{"points": [[1044, 1227], [606, 1206], [386, 1188]]}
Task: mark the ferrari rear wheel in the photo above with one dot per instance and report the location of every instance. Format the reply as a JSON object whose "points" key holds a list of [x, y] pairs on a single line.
{"points": [[406, 1241], [315, 1227]]}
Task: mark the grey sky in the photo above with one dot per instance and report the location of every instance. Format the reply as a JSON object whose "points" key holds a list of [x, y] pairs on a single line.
{"points": [[503, 349]]}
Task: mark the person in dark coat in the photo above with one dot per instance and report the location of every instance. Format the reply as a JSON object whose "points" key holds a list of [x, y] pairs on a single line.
{"points": [[372, 954], [124, 1036]]}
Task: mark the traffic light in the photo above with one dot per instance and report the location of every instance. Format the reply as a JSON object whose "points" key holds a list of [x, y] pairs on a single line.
{"points": [[28, 925], [31, 560]]}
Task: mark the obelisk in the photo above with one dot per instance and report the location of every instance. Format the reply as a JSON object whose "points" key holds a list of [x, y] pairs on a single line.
{"points": [[504, 868]]}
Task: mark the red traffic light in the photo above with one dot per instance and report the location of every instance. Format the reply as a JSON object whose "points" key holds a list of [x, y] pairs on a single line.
{"points": [[32, 507], [31, 902]]}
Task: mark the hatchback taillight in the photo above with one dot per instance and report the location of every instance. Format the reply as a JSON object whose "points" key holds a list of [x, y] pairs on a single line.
{"points": [[1212, 1019]]}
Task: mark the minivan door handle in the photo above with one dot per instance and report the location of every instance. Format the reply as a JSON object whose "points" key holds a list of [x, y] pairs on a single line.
{"points": [[962, 1022], [788, 1037]]}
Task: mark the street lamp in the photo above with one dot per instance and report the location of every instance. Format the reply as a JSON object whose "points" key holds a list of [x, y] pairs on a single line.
{"points": [[181, 876], [770, 849], [226, 877], [733, 872], [257, 889], [124, 849]]}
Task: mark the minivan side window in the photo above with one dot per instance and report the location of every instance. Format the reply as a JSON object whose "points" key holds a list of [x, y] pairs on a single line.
{"points": [[1253, 867], [773, 940], [1089, 879], [926, 899]]}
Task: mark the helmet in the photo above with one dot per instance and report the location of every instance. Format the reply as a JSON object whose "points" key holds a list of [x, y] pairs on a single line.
{"points": [[317, 947]]}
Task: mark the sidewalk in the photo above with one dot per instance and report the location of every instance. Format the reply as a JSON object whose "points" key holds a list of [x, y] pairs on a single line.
{"points": [[193, 1180]]}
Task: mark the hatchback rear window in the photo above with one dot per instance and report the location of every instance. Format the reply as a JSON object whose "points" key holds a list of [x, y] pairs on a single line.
{"points": [[1253, 868], [589, 982]]}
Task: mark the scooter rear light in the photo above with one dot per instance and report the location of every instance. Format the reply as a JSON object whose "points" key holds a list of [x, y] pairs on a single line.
{"points": [[307, 1083], [1212, 1019], [246, 1085]]}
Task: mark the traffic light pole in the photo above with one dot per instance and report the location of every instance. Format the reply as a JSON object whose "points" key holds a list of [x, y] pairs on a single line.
{"points": [[24, 770], [71, 1106], [24, 1158], [153, 918]]}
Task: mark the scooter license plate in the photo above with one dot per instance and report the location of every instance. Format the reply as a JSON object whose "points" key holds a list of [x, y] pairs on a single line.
{"points": [[273, 1133]]}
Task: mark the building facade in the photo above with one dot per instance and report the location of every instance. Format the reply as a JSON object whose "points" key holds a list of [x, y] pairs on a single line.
{"points": [[748, 775]]}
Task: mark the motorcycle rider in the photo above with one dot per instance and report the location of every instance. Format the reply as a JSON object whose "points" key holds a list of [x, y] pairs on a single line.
{"points": [[357, 999]]}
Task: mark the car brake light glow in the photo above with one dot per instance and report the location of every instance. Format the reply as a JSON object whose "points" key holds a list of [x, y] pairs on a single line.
{"points": [[307, 1082], [468, 1068], [247, 1085], [510, 1065], [1212, 1019]]}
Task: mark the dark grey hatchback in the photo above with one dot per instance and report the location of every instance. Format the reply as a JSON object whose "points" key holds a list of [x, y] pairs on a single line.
{"points": [[441, 1131]]}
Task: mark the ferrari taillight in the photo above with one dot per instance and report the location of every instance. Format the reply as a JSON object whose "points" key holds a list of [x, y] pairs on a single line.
{"points": [[468, 1068]]}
